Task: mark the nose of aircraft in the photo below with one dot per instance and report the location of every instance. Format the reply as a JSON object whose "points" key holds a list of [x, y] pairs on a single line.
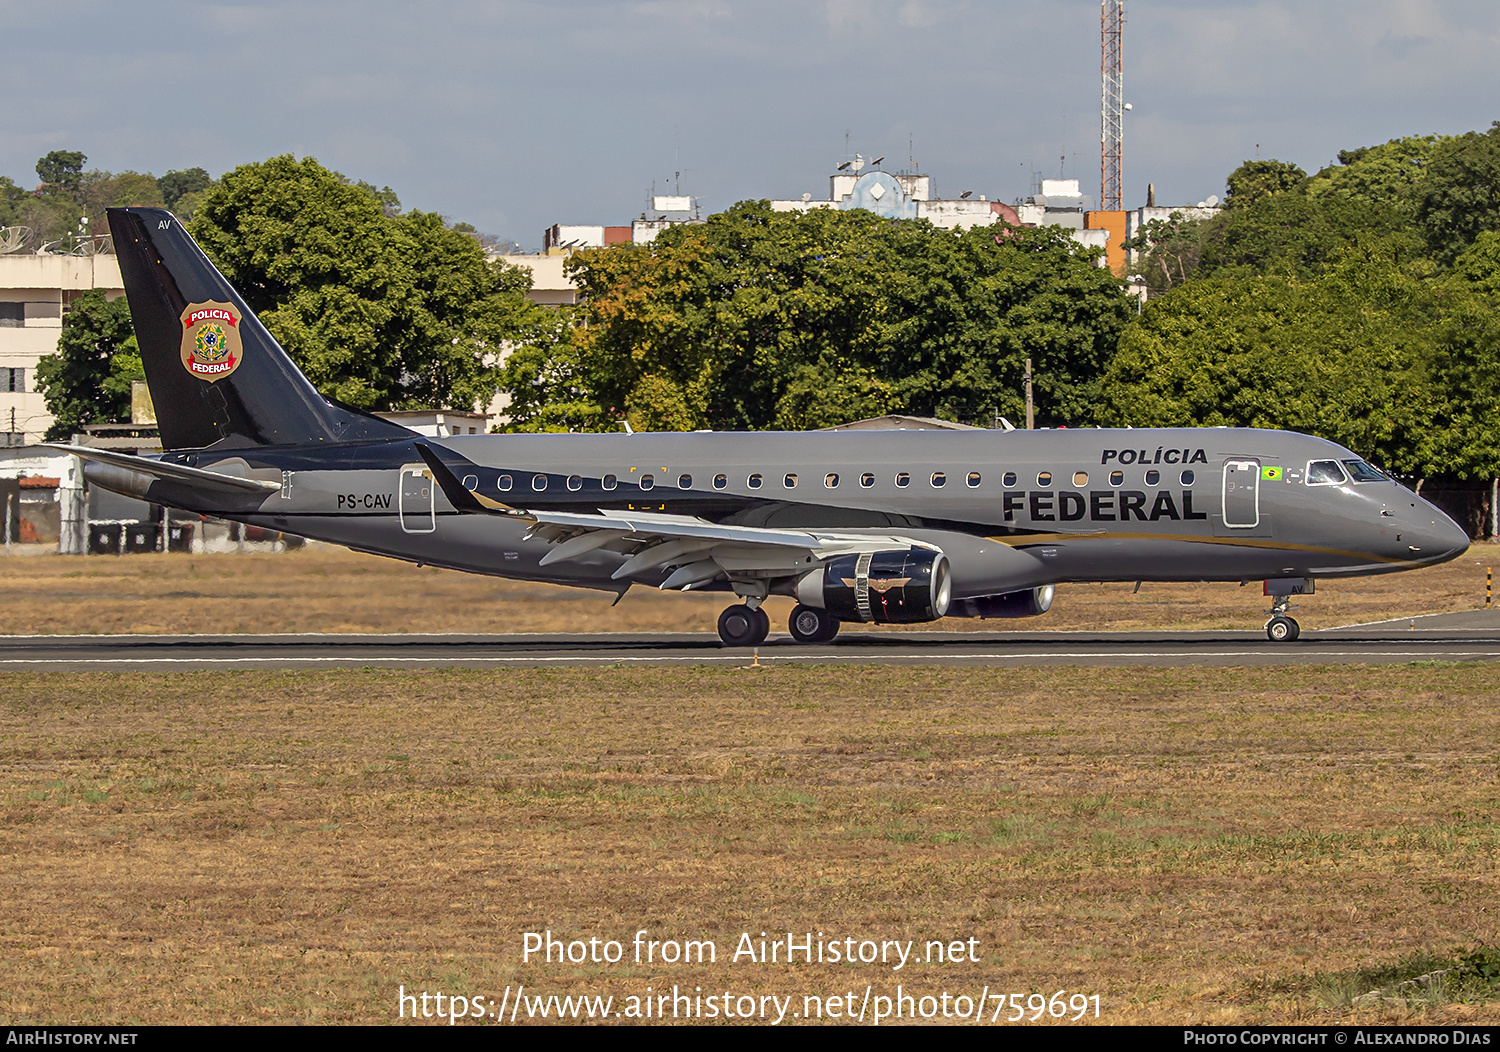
{"points": [[1432, 536]]}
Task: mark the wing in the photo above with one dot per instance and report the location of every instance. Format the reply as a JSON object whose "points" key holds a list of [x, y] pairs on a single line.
{"points": [[693, 551]]}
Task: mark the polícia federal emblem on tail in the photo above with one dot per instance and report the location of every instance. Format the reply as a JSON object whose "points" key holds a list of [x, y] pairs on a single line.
{"points": [[211, 346]]}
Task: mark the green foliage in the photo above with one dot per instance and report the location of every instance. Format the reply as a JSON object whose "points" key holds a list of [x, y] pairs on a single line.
{"points": [[61, 169], [380, 311], [11, 199], [1461, 194], [1388, 176], [104, 190], [1340, 356], [760, 319], [1254, 180], [1171, 250], [88, 380], [390, 204], [174, 186], [1292, 234]]}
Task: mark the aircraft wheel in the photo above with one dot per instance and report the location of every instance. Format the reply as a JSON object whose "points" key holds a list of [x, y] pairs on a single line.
{"points": [[1282, 629], [811, 625], [739, 626]]}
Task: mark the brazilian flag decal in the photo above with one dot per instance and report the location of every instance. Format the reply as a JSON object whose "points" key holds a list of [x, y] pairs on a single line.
{"points": [[1271, 474]]}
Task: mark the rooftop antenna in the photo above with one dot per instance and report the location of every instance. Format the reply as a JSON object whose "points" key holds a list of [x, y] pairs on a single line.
{"points": [[1112, 106]]}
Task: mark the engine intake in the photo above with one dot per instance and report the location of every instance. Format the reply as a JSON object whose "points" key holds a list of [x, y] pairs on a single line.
{"points": [[891, 587]]}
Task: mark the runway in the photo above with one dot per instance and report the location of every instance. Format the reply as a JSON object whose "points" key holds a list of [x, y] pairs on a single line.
{"points": [[1469, 636]]}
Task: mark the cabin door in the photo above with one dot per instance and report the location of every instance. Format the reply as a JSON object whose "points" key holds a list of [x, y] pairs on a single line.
{"points": [[1241, 494], [416, 499]]}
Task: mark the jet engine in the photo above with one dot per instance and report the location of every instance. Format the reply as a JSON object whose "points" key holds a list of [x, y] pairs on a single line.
{"points": [[890, 587], [1028, 602]]}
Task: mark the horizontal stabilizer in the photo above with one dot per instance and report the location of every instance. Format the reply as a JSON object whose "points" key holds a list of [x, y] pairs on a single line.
{"points": [[156, 469]]}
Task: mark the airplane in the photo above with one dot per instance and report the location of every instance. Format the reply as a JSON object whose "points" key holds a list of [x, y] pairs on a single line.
{"points": [[882, 527]]}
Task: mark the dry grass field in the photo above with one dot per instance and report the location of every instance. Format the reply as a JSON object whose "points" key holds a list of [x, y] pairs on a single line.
{"points": [[1209, 845], [327, 589]]}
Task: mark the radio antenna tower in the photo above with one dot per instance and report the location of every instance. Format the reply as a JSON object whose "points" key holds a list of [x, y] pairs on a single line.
{"points": [[1112, 108]]}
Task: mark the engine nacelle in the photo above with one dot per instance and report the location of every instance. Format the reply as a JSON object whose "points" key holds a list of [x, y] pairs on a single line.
{"points": [[891, 587], [1028, 602]]}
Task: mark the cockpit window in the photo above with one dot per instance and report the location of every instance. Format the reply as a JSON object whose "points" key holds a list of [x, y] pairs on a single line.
{"points": [[1325, 473], [1363, 472]]}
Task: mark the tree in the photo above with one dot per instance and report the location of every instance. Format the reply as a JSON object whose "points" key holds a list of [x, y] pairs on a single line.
{"points": [[88, 380], [1389, 176], [759, 319], [11, 197], [61, 170], [1342, 356], [1293, 234], [380, 312], [174, 186], [101, 190], [1254, 180], [1461, 194], [1171, 250]]}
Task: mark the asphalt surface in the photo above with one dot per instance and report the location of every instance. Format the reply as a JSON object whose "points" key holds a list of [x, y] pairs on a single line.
{"points": [[1468, 636]]}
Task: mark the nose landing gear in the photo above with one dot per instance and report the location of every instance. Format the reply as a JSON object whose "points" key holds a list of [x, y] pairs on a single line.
{"points": [[1281, 628]]}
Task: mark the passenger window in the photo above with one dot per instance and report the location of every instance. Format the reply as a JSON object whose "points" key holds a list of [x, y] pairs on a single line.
{"points": [[903, 478], [1153, 477], [1187, 477], [609, 482], [1044, 478], [1080, 478], [831, 480], [754, 481], [684, 482], [720, 481], [973, 480], [1009, 479], [790, 480], [503, 484], [1117, 478], [1325, 473], [539, 482], [647, 481], [867, 480], [939, 479], [575, 482]]}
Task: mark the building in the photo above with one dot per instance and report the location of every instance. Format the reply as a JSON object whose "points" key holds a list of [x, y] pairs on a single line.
{"points": [[35, 292], [443, 423], [901, 195]]}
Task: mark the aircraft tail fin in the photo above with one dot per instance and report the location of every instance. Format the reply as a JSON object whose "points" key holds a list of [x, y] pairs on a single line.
{"points": [[217, 375]]}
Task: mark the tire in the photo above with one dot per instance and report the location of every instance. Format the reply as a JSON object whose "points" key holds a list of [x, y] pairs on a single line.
{"points": [[1282, 630], [808, 624], [739, 626]]}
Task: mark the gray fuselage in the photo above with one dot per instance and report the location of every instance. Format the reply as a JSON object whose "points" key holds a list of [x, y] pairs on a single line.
{"points": [[1010, 509]]}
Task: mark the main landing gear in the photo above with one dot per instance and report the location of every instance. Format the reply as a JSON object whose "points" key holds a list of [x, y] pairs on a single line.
{"points": [[747, 626], [1281, 628], [811, 625], [744, 626]]}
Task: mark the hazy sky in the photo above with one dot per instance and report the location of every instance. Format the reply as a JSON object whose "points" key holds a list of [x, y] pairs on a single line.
{"points": [[514, 116]]}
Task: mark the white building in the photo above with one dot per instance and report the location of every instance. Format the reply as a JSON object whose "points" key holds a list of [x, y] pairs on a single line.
{"points": [[35, 290], [900, 195]]}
